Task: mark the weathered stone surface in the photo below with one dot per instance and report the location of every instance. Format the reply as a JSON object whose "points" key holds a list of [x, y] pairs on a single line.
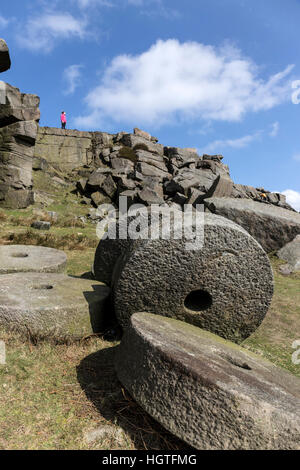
{"points": [[41, 225], [291, 253], [5, 62], [208, 391], [122, 166], [28, 258], [15, 198], [180, 158], [141, 133], [271, 226], [18, 120], [221, 187], [133, 140], [149, 170], [52, 306], [99, 198], [149, 196], [18, 106], [151, 159], [116, 240], [224, 285], [64, 149]]}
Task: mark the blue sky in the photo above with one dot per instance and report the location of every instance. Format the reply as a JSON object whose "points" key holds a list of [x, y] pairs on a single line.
{"points": [[214, 75]]}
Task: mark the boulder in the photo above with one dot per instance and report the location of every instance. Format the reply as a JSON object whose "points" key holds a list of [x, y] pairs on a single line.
{"points": [[5, 62], [291, 253], [207, 391], [41, 225], [137, 142], [28, 258], [271, 226], [219, 278], [18, 106], [143, 134], [221, 187], [52, 306], [149, 196]]}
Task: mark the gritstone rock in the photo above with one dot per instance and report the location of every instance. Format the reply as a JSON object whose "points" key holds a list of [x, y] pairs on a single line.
{"points": [[208, 391], [4, 56], [52, 306], [291, 254], [224, 285], [115, 241], [27, 258], [271, 226]]}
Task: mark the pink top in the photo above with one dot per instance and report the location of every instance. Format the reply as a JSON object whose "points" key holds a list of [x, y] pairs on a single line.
{"points": [[63, 117]]}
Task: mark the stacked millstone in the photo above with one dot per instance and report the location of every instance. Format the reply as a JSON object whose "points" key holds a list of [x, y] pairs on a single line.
{"points": [[19, 117], [197, 298], [41, 302], [137, 167]]}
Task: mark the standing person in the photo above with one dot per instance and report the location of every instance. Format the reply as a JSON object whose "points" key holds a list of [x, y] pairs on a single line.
{"points": [[63, 119]]}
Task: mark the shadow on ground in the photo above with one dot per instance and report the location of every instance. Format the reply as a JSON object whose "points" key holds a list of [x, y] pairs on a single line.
{"points": [[99, 381]]}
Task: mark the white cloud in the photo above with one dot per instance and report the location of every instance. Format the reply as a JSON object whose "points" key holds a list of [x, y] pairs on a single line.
{"points": [[87, 3], [3, 22], [292, 198], [175, 81], [71, 76], [297, 157], [42, 32], [238, 143], [274, 129]]}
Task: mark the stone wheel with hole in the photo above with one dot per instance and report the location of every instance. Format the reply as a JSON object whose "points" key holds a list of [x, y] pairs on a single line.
{"points": [[225, 286], [205, 390], [29, 258]]}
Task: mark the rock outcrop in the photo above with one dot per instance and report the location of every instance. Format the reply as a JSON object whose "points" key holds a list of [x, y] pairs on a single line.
{"points": [[19, 116], [4, 56]]}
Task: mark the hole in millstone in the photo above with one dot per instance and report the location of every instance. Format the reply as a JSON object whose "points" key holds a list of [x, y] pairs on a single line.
{"points": [[198, 300], [19, 255], [237, 363], [43, 287]]}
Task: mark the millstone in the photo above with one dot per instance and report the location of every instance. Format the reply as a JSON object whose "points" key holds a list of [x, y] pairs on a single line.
{"points": [[110, 249], [52, 306], [207, 391], [224, 287], [27, 258]]}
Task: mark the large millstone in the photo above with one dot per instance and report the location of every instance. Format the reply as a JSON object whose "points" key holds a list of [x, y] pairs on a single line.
{"points": [[52, 306], [225, 286], [4, 56], [117, 239], [207, 391], [28, 258]]}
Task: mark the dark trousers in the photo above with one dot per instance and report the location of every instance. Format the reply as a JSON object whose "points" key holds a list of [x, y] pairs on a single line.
{"points": [[63, 125]]}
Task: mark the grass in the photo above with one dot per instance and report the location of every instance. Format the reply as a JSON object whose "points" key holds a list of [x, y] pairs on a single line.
{"points": [[281, 326]]}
